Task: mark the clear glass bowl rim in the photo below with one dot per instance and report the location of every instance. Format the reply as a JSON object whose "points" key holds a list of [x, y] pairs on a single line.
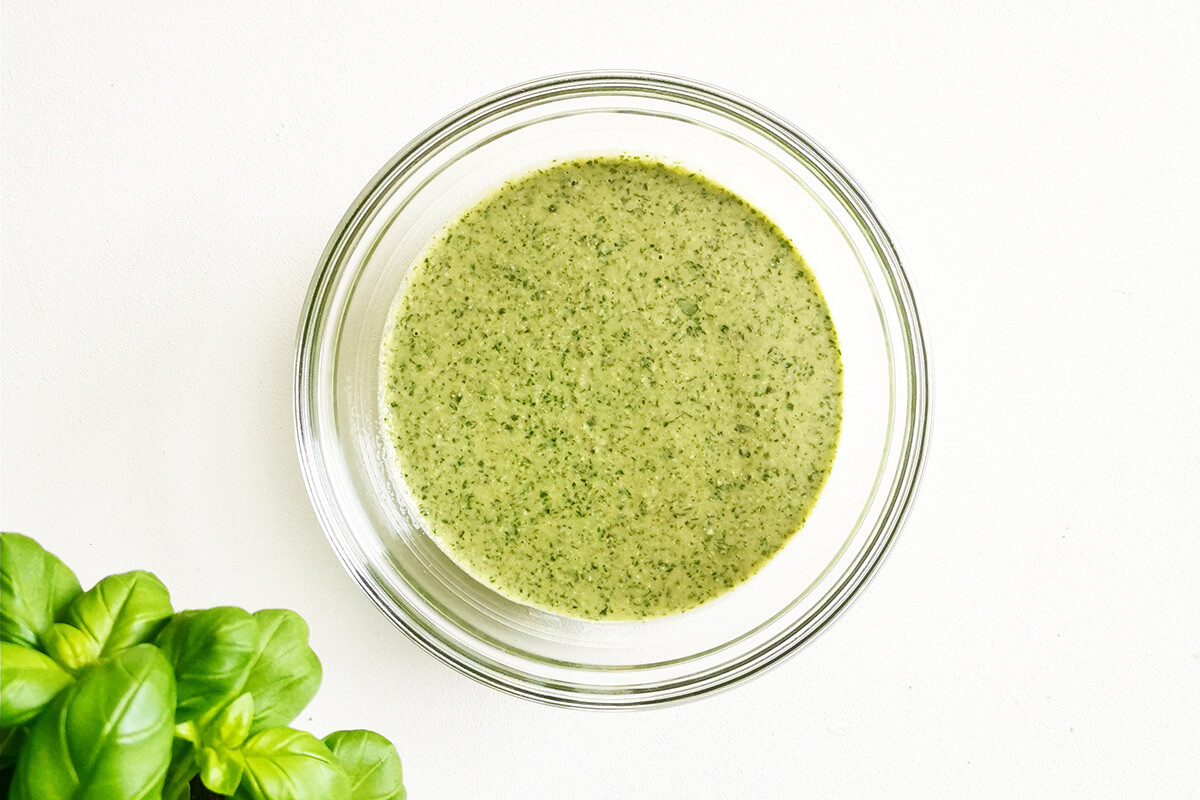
{"points": [[916, 410]]}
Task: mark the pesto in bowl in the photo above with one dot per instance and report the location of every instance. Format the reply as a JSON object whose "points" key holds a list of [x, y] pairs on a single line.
{"points": [[613, 388], [591, 445]]}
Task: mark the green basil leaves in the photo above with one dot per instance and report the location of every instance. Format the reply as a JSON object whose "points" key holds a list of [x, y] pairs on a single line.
{"points": [[108, 694]]}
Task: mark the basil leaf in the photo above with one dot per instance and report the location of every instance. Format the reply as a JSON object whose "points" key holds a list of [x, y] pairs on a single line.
{"points": [[221, 769], [70, 647], [231, 727], [371, 762], [120, 611], [108, 736], [285, 673], [286, 764], [212, 652], [29, 680], [35, 587]]}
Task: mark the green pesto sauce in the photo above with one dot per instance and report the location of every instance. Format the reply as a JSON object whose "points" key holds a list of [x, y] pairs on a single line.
{"points": [[613, 388]]}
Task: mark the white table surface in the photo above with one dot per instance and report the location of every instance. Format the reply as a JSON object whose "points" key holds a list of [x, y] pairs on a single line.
{"points": [[171, 173]]}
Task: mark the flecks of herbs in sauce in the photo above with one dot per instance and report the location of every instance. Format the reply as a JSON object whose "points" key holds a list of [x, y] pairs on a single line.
{"points": [[613, 388]]}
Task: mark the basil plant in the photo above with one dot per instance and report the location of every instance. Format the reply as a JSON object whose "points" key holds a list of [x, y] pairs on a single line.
{"points": [[110, 694]]}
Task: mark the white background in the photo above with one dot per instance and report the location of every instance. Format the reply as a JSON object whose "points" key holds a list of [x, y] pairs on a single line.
{"points": [[171, 174]]}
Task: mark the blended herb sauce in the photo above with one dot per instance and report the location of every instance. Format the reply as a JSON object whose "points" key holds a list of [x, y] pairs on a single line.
{"points": [[613, 388]]}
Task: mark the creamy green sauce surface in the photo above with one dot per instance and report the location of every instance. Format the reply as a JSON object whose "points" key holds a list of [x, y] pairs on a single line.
{"points": [[613, 388]]}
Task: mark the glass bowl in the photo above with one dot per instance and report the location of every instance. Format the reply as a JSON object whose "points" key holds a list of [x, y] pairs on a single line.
{"points": [[367, 512]]}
